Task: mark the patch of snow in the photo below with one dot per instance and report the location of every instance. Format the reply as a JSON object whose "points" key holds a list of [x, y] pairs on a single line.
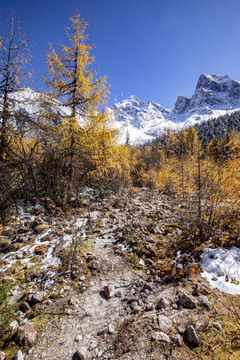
{"points": [[141, 262], [123, 247], [221, 268]]}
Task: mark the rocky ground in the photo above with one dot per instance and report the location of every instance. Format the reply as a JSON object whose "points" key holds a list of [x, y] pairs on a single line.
{"points": [[109, 280]]}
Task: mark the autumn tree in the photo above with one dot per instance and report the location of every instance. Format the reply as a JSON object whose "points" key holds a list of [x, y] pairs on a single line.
{"points": [[14, 58], [72, 79]]}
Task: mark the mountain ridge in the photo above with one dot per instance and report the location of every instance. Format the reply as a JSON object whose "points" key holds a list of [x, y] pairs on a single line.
{"points": [[214, 96]]}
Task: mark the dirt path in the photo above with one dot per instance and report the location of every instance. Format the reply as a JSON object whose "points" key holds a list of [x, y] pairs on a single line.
{"points": [[94, 314]]}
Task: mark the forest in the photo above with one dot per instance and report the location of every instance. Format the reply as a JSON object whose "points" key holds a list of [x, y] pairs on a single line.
{"points": [[79, 209], [52, 157]]}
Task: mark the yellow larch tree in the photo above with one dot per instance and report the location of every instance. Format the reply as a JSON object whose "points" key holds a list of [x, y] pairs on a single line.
{"points": [[87, 140]]}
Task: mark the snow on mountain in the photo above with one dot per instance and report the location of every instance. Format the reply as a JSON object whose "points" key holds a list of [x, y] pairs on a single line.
{"points": [[214, 96], [140, 121]]}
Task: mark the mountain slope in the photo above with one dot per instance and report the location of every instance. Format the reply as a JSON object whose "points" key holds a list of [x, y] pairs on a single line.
{"points": [[139, 121], [215, 95]]}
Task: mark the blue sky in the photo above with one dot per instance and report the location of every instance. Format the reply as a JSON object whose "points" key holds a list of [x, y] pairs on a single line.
{"points": [[154, 49]]}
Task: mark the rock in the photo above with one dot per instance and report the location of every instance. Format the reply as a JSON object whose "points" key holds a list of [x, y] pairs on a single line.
{"points": [[181, 329], [200, 289], [78, 338], [161, 336], [8, 279], [39, 296], [191, 335], [111, 329], [203, 301], [162, 303], [18, 356], [100, 353], [91, 257], [5, 245], [149, 307], [34, 224], [30, 275], [164, 323], [24, 306], [40, 250], [80, 354], [118, 294], [2, 355], [147, 286], [29, 265], [109, 291], [133, 305], [95, 265], [186, 300], [73, 301], [178, 340], [102, 332], [13, 325], [150, 240], [26, 334], [217, 325], [39, 229]]}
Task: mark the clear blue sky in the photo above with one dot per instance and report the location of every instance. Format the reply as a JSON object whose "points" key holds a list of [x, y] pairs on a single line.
{"points": [[154, 49]]}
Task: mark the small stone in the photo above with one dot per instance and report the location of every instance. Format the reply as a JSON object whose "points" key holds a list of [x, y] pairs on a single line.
{"points": [[30, 275], [102, 332], [118, 294], [2, 355], [164, 323], [178, 340], [133, 305], [191, 335], [73, 301], [109, 291], [111, 329], [95, 265], [78, 338], [203, 301], [150, 240], [24, 306], [91, 257], [26, 334], [39, 229], [30, 265], [186, 300], [149, 307], [161, 336], [217, 325], [18, 356], [147, 286], [13, 325], [8, 279], [39, 296], [181, 329], [200, 289], [40, 250], [162, 303]]}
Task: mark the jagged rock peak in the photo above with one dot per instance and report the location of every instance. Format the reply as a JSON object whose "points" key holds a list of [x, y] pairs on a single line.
{"points": [[216, 82]]}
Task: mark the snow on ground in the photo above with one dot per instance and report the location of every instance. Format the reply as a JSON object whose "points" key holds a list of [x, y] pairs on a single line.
{"points": [[221, 268]]}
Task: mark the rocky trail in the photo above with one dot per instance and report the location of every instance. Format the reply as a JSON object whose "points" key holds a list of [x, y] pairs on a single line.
{"points": [[95, 284]]}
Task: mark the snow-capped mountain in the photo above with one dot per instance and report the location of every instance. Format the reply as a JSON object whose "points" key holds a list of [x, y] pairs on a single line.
{"points": [[214, 95]]}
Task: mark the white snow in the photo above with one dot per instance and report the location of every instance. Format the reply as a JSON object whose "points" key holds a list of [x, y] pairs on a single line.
{"points": [[143, 121], [221, 268]]}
